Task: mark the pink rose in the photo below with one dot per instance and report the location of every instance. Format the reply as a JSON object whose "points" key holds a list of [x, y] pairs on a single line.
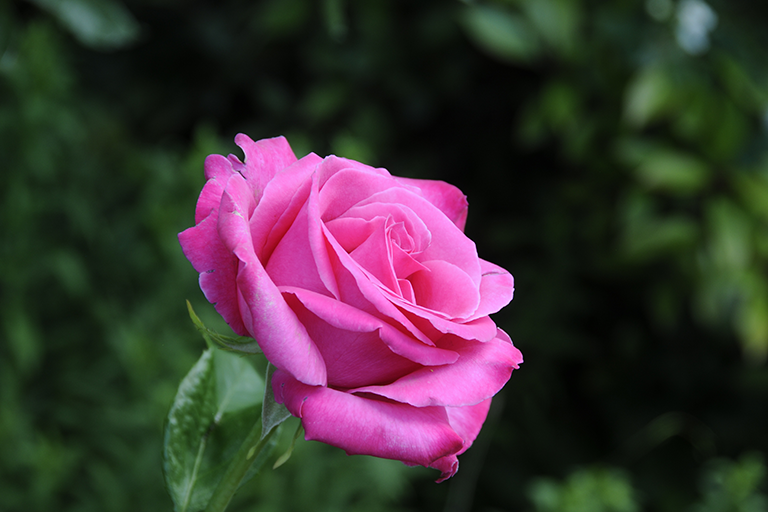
{"points": [[363, 291]]}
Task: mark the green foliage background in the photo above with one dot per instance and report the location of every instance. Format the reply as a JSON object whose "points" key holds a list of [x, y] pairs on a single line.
{"points": [[615, 156]]}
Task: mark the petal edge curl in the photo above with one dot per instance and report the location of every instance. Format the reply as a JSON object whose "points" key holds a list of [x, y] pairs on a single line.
{"points": [[362, 426]]}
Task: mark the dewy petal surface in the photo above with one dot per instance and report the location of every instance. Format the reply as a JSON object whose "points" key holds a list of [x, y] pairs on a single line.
{"points": [[370, 427]]}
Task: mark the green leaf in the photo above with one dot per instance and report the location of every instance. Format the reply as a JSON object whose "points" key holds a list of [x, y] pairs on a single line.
{"points": [[215, 408], [751, 320], [649, 96], [729, 230], [272, 413], [501, 33], [673, 171], [100, 24], [241, 344], [591, 488], [647, 235], [557, 22]]}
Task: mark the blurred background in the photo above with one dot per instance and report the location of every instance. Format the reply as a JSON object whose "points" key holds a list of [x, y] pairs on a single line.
{"points": [[615, 158]]}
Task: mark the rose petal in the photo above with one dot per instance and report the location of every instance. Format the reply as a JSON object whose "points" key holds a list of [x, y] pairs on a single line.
{"points": [[374, 256], [480, 372], [348, 186], [418, 233], [361, 426], [280, 203], [465, 421], [448, 199], [349, 318], [267, 317], [448, 466], [405, 266], [351, 232], [448, 242], [496, 289], [218, 269], [300, 257], [357, 289], [218, 170], [434, 325], [445, 288], [263, 160], [333, 164], [406, 290], [352, 347]]}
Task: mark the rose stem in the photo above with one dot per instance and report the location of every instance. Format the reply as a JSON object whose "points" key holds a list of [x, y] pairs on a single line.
{"points": [[245, 456]]}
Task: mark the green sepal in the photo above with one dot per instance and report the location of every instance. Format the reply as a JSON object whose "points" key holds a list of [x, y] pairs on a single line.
{"points": [[216, 407], [242, 344], [272, 413]]}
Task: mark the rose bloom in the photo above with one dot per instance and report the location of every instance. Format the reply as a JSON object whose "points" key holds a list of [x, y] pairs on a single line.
{"points": [[363, 291]]}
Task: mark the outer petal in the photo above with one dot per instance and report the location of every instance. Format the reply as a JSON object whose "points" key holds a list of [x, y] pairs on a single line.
{"points": [[201, 244], [267, 317], [348, 186], [333, 164], [205, 250], [263, 160], [297, 261], [481, 371], [280, 203], [449, 199], [362, 426], [434, 325], [218, 170], [496, 289], [218, 269], [445, 288], [466, 421]]}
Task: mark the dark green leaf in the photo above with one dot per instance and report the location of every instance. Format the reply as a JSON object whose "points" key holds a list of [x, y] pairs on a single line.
{"points": [[214, 410], [272, 413], [501, 33], [103, 24]]}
